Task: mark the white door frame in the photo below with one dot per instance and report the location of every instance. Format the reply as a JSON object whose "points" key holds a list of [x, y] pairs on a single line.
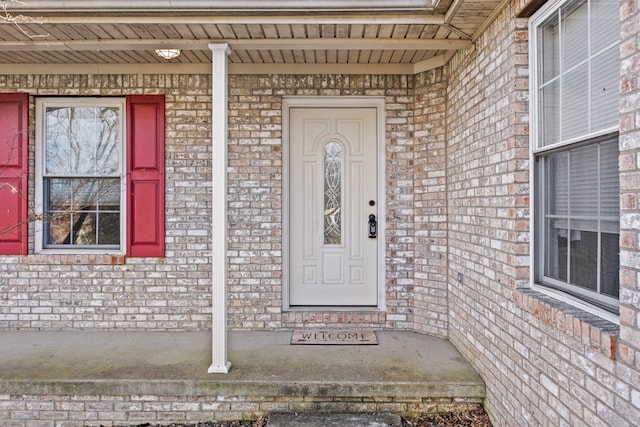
{"points": [[335, 102]]}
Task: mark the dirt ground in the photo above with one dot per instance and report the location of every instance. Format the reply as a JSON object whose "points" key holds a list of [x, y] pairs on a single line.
{"points": [[475, 418]]}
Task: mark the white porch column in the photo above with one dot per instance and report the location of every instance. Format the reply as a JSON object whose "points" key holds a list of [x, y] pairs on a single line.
{"points": [[219, 82]]}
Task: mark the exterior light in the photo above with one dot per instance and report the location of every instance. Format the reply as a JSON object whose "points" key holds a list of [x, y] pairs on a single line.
{"points": [[168, 53]]}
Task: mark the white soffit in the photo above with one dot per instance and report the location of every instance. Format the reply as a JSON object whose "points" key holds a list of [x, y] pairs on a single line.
{"points": [[279, 36]]}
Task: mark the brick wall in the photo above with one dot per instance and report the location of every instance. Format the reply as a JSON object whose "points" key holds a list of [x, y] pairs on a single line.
{"points": [[544, 362], [255, 198], [629, 349], [83, 291], [64, 292], [430, 263]]}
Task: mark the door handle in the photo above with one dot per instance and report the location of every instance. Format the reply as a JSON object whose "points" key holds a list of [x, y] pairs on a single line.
{"points": [[373, 227]]}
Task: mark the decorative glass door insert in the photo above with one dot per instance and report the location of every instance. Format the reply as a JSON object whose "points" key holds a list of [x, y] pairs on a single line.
{"points": [[333, 193]]}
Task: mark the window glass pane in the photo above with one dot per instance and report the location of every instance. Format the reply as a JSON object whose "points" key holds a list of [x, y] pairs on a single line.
{"points": [[603, 33], [575, 103], [108, 228], [82, 140], [609, 186], [333, 193], [58, 151], [557, 188], [610, 218], [550, 113], [584, 258], [108, 144], [605, 89], [575, 34], [58, 194], [109, 193], [610, 265], [84, 228], [555, 265], [584, 182], [549, 42], [57, 227], [85, 194]]}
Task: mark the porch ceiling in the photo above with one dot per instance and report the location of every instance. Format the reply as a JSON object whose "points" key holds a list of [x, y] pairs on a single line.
{"points": [[265, 36]]}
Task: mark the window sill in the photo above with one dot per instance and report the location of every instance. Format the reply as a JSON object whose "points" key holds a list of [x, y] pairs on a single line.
{"points": [[78, 252], [67, 259], [599, 332], [577, 303]]}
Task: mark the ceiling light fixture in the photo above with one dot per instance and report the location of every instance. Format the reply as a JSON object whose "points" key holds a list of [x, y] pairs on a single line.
{"points": [[168, 53]]}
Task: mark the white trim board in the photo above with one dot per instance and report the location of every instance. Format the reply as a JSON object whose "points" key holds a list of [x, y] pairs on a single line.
{"points": [[256, 69]]}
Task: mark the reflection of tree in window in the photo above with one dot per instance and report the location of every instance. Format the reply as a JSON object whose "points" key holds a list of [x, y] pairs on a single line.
{"points": [[82, 183], [332, 193]]}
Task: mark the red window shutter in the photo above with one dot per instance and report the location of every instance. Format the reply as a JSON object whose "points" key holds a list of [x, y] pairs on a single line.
{"points": [[14, 172], [145, 172]]}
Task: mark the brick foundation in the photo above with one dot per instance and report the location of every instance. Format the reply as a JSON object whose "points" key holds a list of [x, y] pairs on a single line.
{"points": [[102, 410]]}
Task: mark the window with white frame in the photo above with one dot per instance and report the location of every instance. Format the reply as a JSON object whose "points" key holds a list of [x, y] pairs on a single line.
{"points": [[574, 70], [79, 174]]}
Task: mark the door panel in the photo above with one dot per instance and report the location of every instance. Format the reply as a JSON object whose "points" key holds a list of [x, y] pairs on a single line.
{"points": [[333, 178]]}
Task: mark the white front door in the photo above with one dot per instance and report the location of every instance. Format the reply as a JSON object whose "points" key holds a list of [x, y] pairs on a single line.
{"points": [[333, 196]]}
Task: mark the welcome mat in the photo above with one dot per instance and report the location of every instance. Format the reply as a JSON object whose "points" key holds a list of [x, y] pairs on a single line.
{"points": [[335, 337]]}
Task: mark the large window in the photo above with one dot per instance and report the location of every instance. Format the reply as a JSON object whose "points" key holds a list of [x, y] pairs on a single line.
{"points": [[575, 67], [88, 152], [80, 173]]}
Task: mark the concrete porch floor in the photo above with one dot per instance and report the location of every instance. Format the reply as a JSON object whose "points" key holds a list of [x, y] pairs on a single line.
{"points": [[406, 366]]}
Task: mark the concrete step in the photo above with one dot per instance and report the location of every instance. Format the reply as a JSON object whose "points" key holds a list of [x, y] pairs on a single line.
{"points": [[123, 378], [406, 365]]}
